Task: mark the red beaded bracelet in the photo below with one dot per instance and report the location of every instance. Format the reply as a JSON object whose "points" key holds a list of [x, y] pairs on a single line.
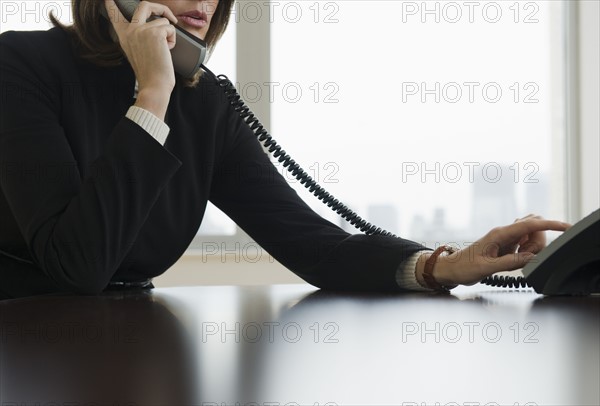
{"points": [[428, 271]]}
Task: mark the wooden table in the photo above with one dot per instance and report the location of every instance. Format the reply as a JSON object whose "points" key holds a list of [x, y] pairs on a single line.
{"points": [[293, 344]]}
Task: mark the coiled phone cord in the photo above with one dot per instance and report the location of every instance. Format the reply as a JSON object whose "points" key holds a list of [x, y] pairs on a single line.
{"points": [[292, 166], [506, 281], [308, 182]]}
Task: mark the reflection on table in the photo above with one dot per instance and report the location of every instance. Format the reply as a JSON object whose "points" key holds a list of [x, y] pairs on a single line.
{"points": [[294, 344]]}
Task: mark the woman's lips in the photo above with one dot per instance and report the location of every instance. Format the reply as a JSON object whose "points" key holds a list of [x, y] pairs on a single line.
{"points": [[194, 18]]}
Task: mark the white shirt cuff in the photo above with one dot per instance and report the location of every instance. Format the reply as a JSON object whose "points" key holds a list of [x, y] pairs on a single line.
{"points": [[149, 122], [405, 276]]}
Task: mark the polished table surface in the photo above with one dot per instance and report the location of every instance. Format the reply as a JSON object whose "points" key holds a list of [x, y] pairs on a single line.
{"points": [[295, 345]]}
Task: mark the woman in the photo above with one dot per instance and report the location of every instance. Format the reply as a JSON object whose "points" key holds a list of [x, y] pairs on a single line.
{"points": [[108, 164]]}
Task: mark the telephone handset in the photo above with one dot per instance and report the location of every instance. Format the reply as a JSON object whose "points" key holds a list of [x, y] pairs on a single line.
{"points": [[570, 265], [189, 52]]}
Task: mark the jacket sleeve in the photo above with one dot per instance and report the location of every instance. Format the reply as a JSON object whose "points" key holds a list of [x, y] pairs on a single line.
{"points": [[250, 190], [77, 227]]}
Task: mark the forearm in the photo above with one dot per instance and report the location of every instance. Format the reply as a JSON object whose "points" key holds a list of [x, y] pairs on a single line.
{"points": [[156, 101]]}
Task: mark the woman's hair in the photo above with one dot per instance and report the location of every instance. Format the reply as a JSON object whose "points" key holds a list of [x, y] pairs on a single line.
{"points": [[92, 38]]}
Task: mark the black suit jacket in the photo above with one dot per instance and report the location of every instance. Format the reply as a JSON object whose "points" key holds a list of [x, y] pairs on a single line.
{"points": [[87, 196]]}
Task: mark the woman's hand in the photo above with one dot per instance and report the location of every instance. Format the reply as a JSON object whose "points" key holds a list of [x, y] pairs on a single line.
{"points": [[502, 249], [147, 46]]}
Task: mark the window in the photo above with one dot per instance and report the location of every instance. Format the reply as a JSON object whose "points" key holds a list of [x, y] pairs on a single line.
{"points": [[436, 120]]}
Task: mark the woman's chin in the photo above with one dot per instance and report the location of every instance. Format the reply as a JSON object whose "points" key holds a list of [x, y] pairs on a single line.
{"points": [[195, 31], [201, 35]]}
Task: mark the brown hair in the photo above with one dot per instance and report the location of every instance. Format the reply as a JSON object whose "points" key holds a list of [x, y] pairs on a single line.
{"points": [[91, 32]]}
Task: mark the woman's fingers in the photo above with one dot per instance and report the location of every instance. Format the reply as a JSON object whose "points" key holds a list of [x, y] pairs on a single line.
{"points": [[517, 231], [530, 235], [509, 262], [527, 234], [147, 9], [538, 225], [170, 33], [143, 12], [496, 251], [523, 240], [534, 242]]}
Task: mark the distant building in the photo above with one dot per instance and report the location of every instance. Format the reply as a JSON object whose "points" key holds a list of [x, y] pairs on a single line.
{"points": [[436, 232], [494, 198]]}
